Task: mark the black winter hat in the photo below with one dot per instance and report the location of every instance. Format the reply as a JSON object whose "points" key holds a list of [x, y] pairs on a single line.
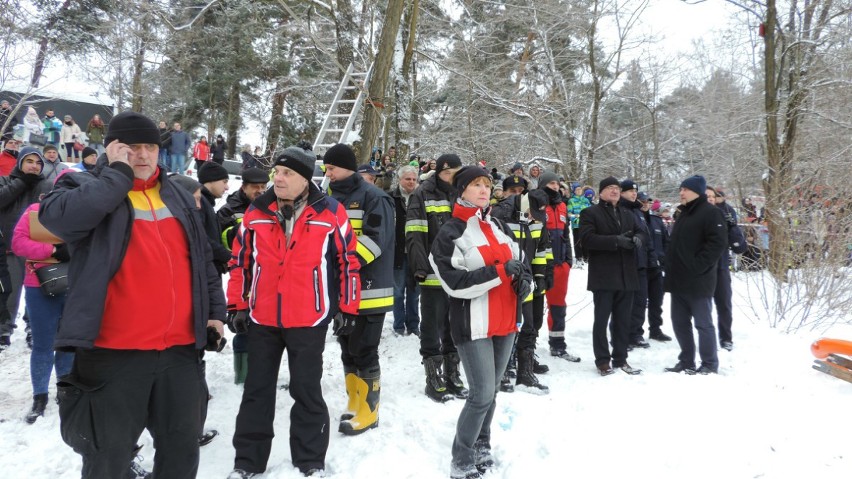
{"points": [[132, 128], [695, 183], [514, 180], [255, 175], [88, 151], [608, 181], [185, 182], [447, 161], [211, 171], [546, 177], [298, 160], [467, 174], [341, 156], [628, 185]]}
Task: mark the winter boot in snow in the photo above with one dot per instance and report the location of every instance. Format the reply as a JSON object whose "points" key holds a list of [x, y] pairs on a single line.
{"points": [[512, 367], [539, 368], [482, 455], [368, 388], [526, 377], [39, 403], [5, 341], [136, 470], [240, 367], [436, 388], [506, 385], [351, 392], [241, 474], [452, 376], [207, 437]]}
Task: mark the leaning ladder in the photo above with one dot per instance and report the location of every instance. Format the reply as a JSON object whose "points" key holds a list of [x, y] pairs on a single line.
{"points": [[342, 112]]}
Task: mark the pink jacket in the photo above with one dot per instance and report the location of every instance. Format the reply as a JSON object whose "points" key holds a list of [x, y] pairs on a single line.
{"points": [[28, 248]]}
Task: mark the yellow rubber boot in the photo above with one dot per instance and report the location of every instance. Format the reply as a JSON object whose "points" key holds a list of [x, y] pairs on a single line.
{"points": [[368, 411], [352, 392]]}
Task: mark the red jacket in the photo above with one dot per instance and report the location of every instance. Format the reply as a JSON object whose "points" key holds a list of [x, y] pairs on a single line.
{"points": [[7, 163], [201, 151], [300, 281]]}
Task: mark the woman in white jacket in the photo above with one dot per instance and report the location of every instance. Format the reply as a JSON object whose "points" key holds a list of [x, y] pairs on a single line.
{"points": [[32, 125], [69, 135]]}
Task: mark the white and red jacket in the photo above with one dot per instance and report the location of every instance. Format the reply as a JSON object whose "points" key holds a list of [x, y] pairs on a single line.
{"points": [[298, 281], [469, 256]]}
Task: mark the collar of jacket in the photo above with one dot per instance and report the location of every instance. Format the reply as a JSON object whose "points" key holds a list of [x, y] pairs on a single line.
{"points": [[142, 185], [630, 204], [347, 185], [464, 212], [689, 207], [443, 185], [208, 195], [268, 202]]}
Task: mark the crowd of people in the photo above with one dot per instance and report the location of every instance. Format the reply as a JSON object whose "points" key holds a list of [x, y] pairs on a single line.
{"points": [[472, 262]]}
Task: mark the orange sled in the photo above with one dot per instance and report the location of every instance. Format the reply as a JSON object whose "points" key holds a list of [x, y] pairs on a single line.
{"points": [[823, 347]]}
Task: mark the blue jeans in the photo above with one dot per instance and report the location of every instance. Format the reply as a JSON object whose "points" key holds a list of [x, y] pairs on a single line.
{"points": [[406, 300], [45, 312], [685, 307], [484, 361], [176, 163], [164, 158]]}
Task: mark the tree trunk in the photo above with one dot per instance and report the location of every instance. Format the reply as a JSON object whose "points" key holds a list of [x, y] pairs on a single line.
{"points": [[138, 68], [379, 78], [234, 103], [44, 43], [274, 134]]}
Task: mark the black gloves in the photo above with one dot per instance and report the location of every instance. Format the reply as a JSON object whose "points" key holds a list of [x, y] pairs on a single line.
{"points": [[215, 341], [540, 285], [238, 321], [513, 267], [637, 241], [61, 254], [30, 179], [343, 324], [420, 276], [548, 281], [523, 285], [625, 242]]}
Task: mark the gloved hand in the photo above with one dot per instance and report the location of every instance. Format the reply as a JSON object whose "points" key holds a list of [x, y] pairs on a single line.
{"points": [[420, 276], [343, 324], [523, 285], [513, 267], [638, 242], [215, 341], [31, 179], [540, 285], [238, 321], [624, 242], [61, 254], [548, 281]]}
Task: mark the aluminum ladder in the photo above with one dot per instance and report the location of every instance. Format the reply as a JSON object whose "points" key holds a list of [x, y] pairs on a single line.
{"points": [[340, 119]]}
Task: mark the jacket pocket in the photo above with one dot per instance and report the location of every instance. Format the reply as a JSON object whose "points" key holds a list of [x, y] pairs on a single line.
{"points": [[317, 300], [79, 422]]}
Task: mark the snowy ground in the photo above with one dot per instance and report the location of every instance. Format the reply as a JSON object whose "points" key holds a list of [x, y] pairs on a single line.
{"points": [[766, 415]]}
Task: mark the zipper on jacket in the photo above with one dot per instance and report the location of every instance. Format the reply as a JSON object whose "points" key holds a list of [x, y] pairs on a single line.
{"points": [[316, 290], [254, 282]]}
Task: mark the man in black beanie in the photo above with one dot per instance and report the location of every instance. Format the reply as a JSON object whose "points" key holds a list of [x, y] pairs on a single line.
{"points": [[151, 301], [430, 206], [214, 184], [610, 235], [646, 258], [371, 214], [698, 239]]}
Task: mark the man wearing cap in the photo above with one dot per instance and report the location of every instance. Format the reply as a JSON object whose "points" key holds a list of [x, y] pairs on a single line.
{"points": [[430, 207], [214, 184], [53, 164], [368, 173], [295, 267], [23, 187], [148, 301], [560, 261], [698, 239], [610, 236], [88, 160], [660, 237], [514, 185], [371, 214], [406, 293], [646, 257], [9, 156]]}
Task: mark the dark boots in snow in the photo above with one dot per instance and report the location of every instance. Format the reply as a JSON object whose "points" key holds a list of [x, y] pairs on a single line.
{"points": [[526, 376], [436, 388], [39, 403], [452, 376]]}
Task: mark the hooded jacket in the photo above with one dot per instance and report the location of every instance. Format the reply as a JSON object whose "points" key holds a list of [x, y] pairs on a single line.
{"points": [[16, 194]]}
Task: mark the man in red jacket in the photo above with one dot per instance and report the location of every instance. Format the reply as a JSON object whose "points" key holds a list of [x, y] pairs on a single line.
{"points": [[294, 269]]}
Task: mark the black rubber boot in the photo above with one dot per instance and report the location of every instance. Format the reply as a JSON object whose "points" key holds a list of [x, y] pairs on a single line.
{"points": [[39, 403], [452, 376]]}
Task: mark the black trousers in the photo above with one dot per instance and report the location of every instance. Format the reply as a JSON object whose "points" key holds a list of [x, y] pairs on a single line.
{"points": [[309, 421], [656, 294], [111, 395], [533, 312], [360, 349], [578, 248], [640, 304], [616, 304], [724, 304], [435, 337]]}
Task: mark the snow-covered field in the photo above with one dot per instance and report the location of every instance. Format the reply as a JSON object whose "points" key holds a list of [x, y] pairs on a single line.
{"points": [[766, 415]]}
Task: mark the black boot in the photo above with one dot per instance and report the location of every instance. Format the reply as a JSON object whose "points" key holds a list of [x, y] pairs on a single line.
{"points": [[436, 388], [39, 403], [452, 376], [539, 368], [526, 377], [506, 385]]}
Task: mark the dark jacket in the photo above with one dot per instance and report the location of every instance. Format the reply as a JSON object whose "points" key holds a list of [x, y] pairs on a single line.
{"points": [[532, 238], [165, 138], [431, 206], [400, 209], [221, 254], [230, 215], [94, 216], [610, 268], [659, 236], [249, 161], [698, 239], [179, 143], [736, 242], [646, 256], [370, 212], [15, 196], [217, 150]]}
